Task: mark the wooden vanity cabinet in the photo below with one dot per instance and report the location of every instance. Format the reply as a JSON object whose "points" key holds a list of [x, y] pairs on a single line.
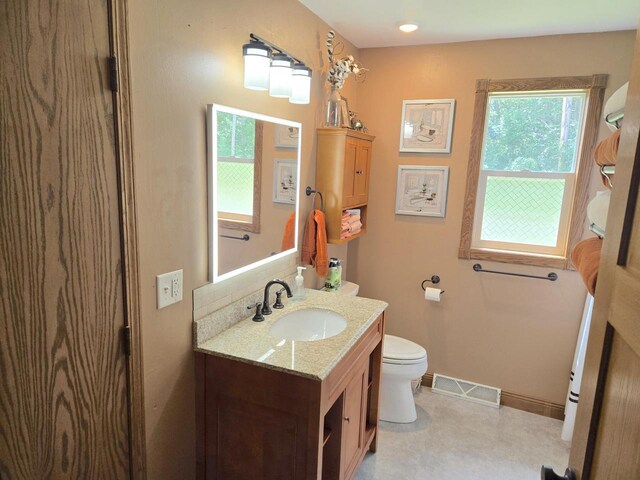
{"points": [[342, 175], [254, 422]]}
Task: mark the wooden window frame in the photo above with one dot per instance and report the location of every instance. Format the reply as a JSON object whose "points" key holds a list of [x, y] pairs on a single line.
{"points": [[595, 86], [253, 225]]}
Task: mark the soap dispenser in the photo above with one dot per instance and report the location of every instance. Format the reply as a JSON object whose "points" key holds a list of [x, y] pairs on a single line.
{"points": [[298, 290]]}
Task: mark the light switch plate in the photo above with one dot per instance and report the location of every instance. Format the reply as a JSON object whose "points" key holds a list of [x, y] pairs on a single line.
{"points": [[169, 288]]}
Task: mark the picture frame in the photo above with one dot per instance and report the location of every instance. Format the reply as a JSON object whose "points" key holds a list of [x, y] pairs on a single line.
{"points": [[286, 136], [285, 176], [422, 190], [427, 126]]}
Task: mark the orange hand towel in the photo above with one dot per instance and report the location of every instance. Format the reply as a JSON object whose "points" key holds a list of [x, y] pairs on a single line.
{"points": [[606, 154], [586, 258], [309, 240], [322, 254], [607, 150], [288, 237], [314, 243]]}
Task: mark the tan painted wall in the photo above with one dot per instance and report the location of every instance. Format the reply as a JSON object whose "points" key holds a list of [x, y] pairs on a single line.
{"points": [[185, 55], [517, 334]]}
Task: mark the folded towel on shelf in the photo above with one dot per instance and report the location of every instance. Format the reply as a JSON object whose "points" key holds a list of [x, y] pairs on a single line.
{"points": [[586, 258], [606, 153], [354, 227], [314, 243], [353, 211], [288, 237], [353, 219]]}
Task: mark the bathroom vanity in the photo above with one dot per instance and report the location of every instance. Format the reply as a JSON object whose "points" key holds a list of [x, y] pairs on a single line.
{"points": [[273, 408]]}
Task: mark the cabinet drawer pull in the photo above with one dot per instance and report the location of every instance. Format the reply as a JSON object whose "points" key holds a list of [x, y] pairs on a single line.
{"points": [[346, 419]]}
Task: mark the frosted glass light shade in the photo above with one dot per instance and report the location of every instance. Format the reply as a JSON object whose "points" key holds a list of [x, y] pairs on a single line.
{"points": [[280, 76], [257, 60], [300, 85]]}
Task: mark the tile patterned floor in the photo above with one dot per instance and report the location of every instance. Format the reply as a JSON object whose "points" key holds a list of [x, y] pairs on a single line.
{"points": [[454, 439]]}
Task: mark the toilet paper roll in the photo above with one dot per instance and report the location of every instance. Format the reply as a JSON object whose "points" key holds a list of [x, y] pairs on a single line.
{"points": [[432, 294]]}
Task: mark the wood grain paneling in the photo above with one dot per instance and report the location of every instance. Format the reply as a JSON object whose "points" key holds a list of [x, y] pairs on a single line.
{"points": [[63, 400], [616, 454], [473, 168], [129, 225]]}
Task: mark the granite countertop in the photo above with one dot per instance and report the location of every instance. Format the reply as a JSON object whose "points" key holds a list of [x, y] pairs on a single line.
{"points": [[250, 341]]}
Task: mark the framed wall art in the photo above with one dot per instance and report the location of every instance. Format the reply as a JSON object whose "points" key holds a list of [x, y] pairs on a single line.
{"points": [[286, 136], [422, 190], [427, 126], [285, 176]]}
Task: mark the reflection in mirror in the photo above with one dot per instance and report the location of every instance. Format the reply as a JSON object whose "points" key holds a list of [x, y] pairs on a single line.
{"points": [[253, 169]]}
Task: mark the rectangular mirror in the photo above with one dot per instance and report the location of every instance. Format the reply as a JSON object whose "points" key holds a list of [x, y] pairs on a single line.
{"points": [[253, 168]]}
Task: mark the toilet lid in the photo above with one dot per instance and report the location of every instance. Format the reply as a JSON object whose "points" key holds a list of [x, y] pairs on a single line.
{"points": [[398, 348]]}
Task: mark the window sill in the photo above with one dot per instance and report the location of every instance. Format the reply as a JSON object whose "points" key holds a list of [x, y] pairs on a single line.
{"points": [[237, 225], [519, 258]]}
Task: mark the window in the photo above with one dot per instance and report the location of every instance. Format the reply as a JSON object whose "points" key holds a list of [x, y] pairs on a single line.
{"points": [[239, 161], [525, 186]]}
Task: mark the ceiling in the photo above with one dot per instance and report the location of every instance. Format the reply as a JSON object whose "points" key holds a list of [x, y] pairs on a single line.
{"points": [[374, 23]]}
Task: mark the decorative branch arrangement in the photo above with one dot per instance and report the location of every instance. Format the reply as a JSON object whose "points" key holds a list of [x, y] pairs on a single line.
{"points": [[340, 68]]}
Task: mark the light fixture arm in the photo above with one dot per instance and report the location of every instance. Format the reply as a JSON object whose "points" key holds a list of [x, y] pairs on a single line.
{"points": [[256, 38]]}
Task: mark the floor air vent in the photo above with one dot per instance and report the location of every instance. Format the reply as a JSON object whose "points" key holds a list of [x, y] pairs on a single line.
{"points": [[473, 392]]}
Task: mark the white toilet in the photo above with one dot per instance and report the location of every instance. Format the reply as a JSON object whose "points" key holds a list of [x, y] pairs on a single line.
{"points": [[402, 362]]}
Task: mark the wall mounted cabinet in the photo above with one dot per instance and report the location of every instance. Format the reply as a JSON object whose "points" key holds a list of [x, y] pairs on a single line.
{"points": [[342, 175]]}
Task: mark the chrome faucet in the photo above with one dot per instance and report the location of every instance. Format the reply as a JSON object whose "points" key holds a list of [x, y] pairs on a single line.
{"points": [[266, 309]]}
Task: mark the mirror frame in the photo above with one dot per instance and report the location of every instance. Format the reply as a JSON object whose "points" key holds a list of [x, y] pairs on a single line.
{"points": [[212, 180]]}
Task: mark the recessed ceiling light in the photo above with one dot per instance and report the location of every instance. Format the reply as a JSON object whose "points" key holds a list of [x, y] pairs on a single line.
{"points": [[408, 27]]}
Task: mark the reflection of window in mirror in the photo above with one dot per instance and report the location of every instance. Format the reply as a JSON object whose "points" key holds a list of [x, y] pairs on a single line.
{"points": [[239, 172]]}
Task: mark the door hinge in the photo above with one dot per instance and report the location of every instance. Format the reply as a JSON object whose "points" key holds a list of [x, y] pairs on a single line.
{"points": [[126, 339], [113, 73]]}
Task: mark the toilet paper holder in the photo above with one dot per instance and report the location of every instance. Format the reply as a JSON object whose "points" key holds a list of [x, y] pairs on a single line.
{"points": [[435, 279]]}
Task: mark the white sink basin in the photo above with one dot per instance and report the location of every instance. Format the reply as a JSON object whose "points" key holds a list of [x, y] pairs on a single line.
{"points": [[309, 325]]}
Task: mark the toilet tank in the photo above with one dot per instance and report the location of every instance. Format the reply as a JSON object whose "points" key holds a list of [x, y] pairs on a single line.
{"points": [[350, 289]]}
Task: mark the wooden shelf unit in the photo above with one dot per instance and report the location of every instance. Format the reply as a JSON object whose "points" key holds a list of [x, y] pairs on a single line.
{"points": [[342, 175]]}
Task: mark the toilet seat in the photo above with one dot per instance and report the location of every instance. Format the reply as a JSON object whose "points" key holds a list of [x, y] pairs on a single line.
{"points": [[400, 351]]}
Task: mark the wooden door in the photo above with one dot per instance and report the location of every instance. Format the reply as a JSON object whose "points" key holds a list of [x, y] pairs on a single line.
{"points": [[63, 395], [363, 160], [607, 433], [349, 172], [355, 396]]}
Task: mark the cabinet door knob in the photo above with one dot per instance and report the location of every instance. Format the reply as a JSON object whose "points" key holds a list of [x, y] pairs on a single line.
{"points": [[346, 419]]}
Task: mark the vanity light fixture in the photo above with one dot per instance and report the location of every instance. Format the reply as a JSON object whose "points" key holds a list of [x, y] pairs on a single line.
{"points": [[280, 76], [408, 27], [269, 67], [257, 60], [300, 84]]}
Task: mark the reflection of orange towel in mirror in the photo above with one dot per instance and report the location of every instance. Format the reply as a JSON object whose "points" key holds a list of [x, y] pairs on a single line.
{"points": [[288, 237]]}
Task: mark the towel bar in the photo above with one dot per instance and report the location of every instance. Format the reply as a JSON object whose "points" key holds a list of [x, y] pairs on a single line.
{"points": [[310, 191], [244, 238], [551, 276]]}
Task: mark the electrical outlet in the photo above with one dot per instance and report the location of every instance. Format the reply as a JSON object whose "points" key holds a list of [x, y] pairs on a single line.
{"points": [[169, 288]]}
